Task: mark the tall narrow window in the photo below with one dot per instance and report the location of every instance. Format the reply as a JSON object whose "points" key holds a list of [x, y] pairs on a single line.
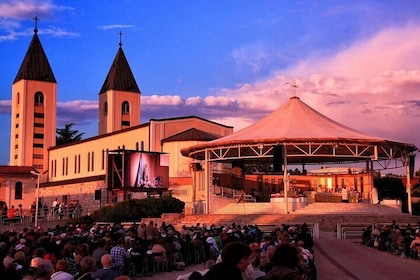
{"points": [[88, 163], [78, 162], [75, 164], [105, 108], [92, 162], [52, 168], [18, 190], [39, 99], [125, 110], [18, 98], [103, 160]]}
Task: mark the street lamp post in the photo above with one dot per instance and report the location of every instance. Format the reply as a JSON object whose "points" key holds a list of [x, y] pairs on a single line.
{"points": [[36, 197]]}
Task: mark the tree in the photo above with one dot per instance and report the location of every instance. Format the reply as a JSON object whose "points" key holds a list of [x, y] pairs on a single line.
{"points": [[389, 187], [67, 135]]}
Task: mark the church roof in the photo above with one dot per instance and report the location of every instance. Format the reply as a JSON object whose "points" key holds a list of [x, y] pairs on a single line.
{"points": [[16, 170], [120, 76], [35, 65], [191, 134]]}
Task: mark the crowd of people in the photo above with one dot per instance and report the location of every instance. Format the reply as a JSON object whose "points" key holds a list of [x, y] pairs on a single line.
{"points": [[116, 252], [402, 240]]}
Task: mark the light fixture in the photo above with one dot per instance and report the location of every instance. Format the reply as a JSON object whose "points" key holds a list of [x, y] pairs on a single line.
{"points": [[33, 172]]}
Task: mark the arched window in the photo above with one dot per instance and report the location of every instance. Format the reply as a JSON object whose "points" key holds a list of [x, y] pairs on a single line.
{"points": [[125, 109], [39, 99], [18, 190], [105, 108]]}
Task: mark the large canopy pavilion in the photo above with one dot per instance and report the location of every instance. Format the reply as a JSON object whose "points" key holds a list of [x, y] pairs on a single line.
{"points": [[296, 134]]}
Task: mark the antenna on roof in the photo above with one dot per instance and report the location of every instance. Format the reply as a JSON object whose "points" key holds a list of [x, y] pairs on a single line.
{"points": [[120, 33], [293, 85], [36, 24]]}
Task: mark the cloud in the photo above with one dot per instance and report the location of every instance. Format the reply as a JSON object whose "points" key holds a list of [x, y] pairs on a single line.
{"points": [[58, 32], [389, 50], [5, 107], [79, 112], [24, 9], [115, 26], [12, 13], [155, 100], [371, 86], [251, 56]]}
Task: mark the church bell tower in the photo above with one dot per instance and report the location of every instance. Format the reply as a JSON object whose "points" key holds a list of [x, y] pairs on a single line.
{"points": [[33, 119]]}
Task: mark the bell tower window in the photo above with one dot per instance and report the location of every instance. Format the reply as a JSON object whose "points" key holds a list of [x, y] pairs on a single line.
{"points": [[125, 110], [39, 99]]}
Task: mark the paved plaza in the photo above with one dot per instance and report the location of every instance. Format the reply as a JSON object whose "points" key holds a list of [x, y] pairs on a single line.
{"points": [[343, 260]]}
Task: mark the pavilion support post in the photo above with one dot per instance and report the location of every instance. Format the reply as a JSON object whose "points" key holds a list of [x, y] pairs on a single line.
{"points": [[206, 181], [371, 179], [194, 190], [408, 185], [285, 180]]}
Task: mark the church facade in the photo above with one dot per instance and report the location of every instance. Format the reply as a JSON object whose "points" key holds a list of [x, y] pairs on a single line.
{"points": [[80, 171]]}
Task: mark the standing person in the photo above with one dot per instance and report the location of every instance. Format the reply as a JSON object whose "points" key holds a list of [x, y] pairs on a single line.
{"points": [[45, 210], [374, 195], [11, 212], [119, 254], [54, 206], [100, 251], [344, 195], [235, 260], [285, 261], [141, 232], [151, 231]]}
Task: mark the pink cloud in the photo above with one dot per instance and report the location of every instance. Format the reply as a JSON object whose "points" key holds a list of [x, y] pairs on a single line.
{"points": [[372, 85]]}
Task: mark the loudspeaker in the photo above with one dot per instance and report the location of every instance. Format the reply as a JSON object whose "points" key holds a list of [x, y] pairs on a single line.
{"points": [[97, 194], [277, 158], [196, 166]]}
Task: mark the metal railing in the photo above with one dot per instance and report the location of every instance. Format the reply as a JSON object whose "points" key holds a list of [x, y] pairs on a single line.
{"points": [[232, 194], [345, 230]]}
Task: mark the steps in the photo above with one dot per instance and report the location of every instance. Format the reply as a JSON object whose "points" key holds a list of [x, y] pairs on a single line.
{"points": [[250, 208], [348, 208], [328, 215]]}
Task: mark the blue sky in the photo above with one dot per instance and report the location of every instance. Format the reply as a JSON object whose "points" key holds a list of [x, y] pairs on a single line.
{"points": [[229, 61]]}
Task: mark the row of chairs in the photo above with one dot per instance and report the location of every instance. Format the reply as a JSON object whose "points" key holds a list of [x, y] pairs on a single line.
{"points": [[140, 265]]}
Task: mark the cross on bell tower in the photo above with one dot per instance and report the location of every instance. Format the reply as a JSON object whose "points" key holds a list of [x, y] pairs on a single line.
{"points": [[120, 33], [36, 24]]}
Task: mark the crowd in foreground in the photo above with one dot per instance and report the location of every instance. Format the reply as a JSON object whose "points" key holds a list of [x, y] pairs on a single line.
{"points": [[402, 240], [78, 252]]}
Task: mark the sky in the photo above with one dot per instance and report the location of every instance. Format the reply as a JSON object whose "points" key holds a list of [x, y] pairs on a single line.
{"points": [[229, 61]]}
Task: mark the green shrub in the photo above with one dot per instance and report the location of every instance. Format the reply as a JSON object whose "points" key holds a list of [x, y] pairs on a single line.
{"points": [[136, 209], [389, 188], [416, 190], [416, 209]]}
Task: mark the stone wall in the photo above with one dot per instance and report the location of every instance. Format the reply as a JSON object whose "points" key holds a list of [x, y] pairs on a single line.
{"points": [[84, 192]]}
